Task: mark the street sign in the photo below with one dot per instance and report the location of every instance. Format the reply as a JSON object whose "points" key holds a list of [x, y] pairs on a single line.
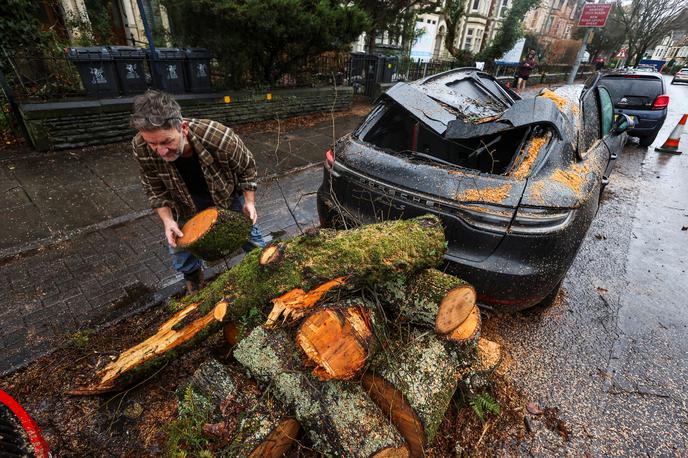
{"points": [[623, 53], [595, 14]]}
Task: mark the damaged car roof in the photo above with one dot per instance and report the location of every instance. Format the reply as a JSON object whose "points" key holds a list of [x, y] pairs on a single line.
{"points": [[466, 103]]}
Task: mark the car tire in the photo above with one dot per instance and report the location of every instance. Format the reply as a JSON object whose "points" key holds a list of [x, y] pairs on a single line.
{"points": [[647, 141]]}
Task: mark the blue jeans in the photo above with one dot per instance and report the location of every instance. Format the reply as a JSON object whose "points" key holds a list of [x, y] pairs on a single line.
{"points": [[186, 263]]}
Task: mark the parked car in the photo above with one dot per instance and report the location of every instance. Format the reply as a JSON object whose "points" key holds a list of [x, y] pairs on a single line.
{"points": [[516, 181], [641, 96], [681, 76]]}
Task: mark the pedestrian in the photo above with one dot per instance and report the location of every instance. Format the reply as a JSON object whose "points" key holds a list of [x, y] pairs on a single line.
{"points": [[186, 166], [525, 69]]}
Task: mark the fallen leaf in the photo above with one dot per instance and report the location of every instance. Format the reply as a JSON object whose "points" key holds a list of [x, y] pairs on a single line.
{"points": [[601, 290], [533, 409], [684, 228]]}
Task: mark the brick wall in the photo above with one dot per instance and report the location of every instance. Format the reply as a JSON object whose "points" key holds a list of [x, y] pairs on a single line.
{"points": [[63, 125]]}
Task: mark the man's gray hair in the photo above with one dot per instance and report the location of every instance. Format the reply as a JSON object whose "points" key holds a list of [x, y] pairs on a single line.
{"points": [[156, 110]]}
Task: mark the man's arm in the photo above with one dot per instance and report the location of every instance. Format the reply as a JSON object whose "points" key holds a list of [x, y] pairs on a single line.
{"points": [[172, 230]]}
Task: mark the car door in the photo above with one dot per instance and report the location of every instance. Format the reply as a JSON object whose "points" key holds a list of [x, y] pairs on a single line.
{"points": [[597, 119], [614, 143]]}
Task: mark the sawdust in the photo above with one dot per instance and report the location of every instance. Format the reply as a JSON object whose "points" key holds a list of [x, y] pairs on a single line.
{"points": [[562, 102], [536, 192], [495, 194], [532, 153], [574, 179]]}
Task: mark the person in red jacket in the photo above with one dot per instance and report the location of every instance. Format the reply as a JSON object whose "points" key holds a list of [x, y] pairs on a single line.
{"points": [[525, 69]]}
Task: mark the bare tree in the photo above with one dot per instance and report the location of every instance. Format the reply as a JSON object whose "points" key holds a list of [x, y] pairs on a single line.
{"points": [[645, 22], [453, 11]]}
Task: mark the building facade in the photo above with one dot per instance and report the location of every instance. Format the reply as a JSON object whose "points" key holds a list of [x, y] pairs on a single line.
{"points": [[72, 18]]}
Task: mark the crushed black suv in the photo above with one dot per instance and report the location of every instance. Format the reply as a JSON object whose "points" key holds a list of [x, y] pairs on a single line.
{"points": [[516, 182], [642, 96]]}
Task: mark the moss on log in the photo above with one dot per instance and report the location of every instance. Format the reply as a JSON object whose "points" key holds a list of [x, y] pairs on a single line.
{"points": [[215, 233], [430, 299], [263, 428], [338, 417], [413, 381], [364, 256]]}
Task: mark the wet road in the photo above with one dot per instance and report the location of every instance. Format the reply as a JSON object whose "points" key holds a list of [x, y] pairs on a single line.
{"points": [[612, 353]]}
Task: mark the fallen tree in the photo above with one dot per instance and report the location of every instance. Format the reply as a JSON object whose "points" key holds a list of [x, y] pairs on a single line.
{"points": [[338, 417], [296, 274]]}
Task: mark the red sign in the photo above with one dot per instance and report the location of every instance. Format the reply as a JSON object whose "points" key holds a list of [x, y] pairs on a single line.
{"points": [[623, 52], [595, 14]]}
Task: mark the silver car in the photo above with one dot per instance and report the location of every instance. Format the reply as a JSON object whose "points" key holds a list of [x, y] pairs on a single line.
{"points": [[681, 76]]}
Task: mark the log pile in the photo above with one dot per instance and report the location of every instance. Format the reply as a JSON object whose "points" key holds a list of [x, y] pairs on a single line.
{"points": [[358, 339]]}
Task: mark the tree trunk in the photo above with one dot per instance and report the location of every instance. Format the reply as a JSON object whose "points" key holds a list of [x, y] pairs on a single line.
{"points": [[413, 381], [339, 417], [215, 233], [431, 299], [488, 357], [362, 256], [263, 430]]}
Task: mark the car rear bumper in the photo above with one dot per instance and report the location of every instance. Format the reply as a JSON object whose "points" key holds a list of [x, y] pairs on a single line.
{"points": [[648, 122], [680, 79]]}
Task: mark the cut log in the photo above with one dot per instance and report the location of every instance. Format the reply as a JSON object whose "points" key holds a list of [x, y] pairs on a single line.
{"points": [[215, 233], [364, 256], [263, 428], [413, 382], [338, 340], [430, 298], [468, 332], [488, 357], [338, 417]]}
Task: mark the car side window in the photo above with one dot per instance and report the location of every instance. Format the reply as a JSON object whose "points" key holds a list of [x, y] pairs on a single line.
{"points": [[606, 110], [590, 116]]}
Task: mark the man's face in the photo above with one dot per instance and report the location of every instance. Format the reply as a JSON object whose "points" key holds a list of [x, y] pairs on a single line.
{"points": [[167, 143]]}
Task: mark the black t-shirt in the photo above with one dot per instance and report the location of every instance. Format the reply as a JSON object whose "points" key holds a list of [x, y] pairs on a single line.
{"points": [[190, 170]]}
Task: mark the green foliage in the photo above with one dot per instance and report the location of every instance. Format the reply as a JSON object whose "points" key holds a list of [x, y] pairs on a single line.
{"points": [[81, 338], [510, 31], [185, 434], [18, 23], [482, 404], [258, 41]]}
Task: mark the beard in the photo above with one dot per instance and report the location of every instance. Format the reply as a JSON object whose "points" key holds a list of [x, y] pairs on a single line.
{"points": [[172, 156]]}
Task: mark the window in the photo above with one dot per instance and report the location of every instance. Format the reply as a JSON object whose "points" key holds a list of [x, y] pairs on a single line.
{"points": [[503, 8], [607, 111], [548, 24], [429, 21], [476, 4], [560, 4], [469, 40]]}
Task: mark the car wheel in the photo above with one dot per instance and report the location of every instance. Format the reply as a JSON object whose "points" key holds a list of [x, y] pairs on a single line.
{"points": [[647, 141]]}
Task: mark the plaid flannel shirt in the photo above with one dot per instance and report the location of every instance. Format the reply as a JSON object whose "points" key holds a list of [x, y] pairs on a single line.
{"points": [[226, 163]]}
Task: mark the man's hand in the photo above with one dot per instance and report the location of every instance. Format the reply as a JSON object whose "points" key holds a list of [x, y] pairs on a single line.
{"points": [[172, 231], [171, 227], [250, 211]]}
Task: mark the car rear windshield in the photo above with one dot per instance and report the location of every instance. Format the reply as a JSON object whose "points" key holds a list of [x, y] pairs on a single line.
{"points": [[400, 132], [632, 91]]}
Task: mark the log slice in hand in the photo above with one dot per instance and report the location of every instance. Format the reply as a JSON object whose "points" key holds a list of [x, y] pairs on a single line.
{"points": [[215, 233]]}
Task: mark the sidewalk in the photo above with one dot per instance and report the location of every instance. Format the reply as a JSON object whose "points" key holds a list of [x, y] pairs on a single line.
{"points": [[81, 249]]}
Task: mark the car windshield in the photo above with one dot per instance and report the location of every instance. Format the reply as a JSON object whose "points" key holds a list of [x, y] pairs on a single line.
{"points": [[632, 90]]}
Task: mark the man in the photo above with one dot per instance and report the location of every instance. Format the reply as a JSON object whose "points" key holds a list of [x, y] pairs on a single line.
{"points": [[186, 166], [525, 69]]}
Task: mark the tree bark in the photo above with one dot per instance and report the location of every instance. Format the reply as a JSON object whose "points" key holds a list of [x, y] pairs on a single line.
{"points": [[413, 381], [263, 430], [215, 233], [430, 299], [362, 256], [338, 417]]}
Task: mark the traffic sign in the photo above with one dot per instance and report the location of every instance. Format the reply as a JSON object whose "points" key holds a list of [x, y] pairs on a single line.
{"points": [[595, 14]]}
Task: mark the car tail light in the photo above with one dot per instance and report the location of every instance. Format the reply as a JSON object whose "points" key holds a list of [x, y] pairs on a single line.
{"points": [[329, 159], [488, 217], [539, 220], [662, 101]]}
